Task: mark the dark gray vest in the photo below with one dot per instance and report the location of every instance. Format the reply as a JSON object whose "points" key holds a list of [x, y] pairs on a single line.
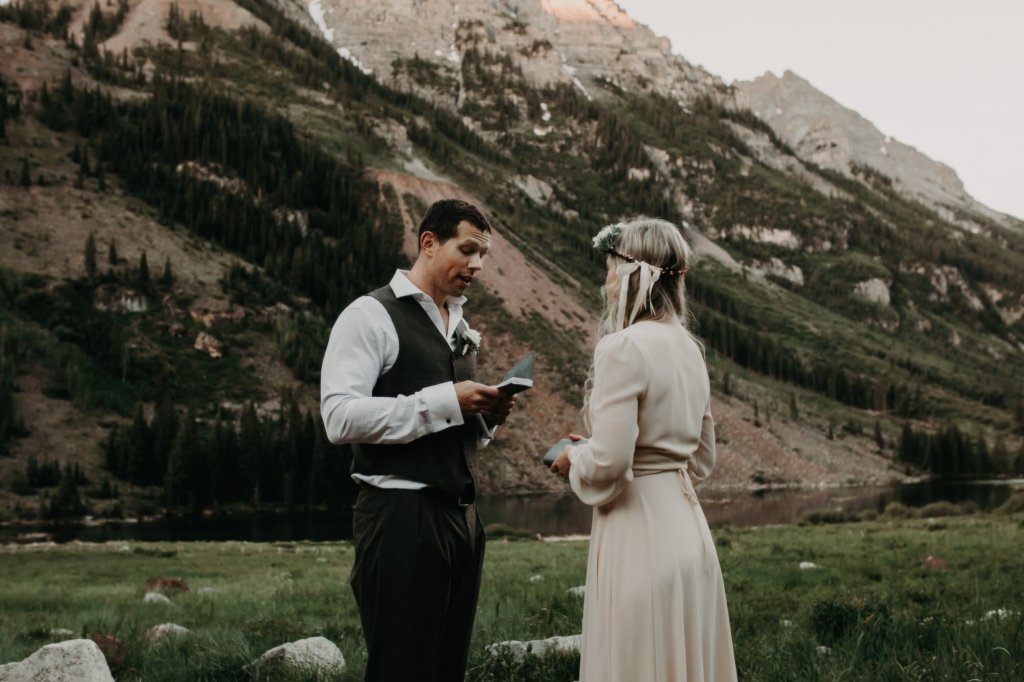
{"points": [[444, 459]]}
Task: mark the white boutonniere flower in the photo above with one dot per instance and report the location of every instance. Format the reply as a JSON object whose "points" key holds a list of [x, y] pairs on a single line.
{"points": [[470, 340]]}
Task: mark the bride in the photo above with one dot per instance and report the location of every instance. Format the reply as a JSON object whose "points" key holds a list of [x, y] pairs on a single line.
{"points": [[654, 607]]}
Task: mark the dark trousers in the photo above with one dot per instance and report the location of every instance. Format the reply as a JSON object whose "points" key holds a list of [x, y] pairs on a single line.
{"points": [[416, 580]]}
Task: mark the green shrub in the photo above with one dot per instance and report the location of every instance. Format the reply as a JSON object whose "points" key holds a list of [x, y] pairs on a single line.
{"points": [[500, 530], [898, 510], [1014, 505], [832, 620]]}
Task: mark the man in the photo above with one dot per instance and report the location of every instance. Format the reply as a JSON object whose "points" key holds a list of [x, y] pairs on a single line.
{"points": [[397, 383]]}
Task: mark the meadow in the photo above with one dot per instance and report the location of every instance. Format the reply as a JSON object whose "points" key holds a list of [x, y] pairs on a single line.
{"points": [[873, 606]]}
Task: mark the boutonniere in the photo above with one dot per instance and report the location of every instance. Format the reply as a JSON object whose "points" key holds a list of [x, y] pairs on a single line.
{"points": [[470, 340]]}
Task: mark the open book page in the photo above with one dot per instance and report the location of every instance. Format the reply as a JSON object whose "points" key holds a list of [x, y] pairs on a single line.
{"points": [[520, 377]]}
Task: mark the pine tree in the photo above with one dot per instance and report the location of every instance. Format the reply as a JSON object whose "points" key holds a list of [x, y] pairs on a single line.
{"points": [[794, 410], [167, 278], [26, 173], [164, 429], [142, 277], [112, 257], [879, 438], [90, 256], [181, 479]]}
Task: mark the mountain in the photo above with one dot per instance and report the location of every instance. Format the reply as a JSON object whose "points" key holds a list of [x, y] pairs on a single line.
{"points": [[191, 192], [822, 131]]}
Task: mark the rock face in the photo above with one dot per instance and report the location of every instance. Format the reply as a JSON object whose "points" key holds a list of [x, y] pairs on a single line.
{"points": [[76, 660], [875, 290], [821, 130], [315, 654], [551, 41]]}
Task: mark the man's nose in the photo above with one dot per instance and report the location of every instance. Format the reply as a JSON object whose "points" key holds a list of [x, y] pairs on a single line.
{"points": [[476, 262]]}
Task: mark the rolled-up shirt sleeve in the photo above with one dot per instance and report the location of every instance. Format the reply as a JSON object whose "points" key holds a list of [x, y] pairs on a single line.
{"points": [[360, 350], [602, 466]]}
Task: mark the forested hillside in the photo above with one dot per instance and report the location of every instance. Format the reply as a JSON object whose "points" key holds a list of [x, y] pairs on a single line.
{"points": [[183, 220]]}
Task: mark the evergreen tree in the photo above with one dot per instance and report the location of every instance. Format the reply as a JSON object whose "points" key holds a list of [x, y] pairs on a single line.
{"points": [[164, 429], [112, 257], [181, 480], [138, 449], [26, 173], [142, 278], [167, 278], [879, 438], [90, 256], [794, 410]]}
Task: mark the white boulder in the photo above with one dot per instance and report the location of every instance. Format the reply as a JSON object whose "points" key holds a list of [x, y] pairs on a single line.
{"points": [[165, 630], [315, 654], [537, 647], [76, 660], [577, 591]]}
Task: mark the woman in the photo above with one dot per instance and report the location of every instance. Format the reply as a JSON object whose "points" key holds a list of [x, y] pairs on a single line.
{"points": [[654, 606]]}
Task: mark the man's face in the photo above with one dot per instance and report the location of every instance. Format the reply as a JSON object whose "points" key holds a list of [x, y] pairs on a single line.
{"points": [[455, 263]]}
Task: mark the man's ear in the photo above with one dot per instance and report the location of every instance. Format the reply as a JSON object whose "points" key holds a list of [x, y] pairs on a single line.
{"points": [[428, 243]]}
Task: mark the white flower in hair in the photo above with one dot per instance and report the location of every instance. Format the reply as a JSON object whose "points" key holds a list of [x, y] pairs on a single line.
{"points": [[605, 239], [470, 340]]}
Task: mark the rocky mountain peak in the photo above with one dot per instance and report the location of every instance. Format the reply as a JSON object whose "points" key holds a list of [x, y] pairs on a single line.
{"points": [[821, 130], [551, 41]]}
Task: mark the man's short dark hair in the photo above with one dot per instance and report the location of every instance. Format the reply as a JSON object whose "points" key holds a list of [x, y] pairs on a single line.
{"points": [[443, 218]]}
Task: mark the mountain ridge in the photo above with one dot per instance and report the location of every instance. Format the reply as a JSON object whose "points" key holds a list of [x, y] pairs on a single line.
{"points": [[831, 306]]}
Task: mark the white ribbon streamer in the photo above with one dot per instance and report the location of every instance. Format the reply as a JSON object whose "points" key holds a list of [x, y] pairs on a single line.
{"points": [[649, 275]]}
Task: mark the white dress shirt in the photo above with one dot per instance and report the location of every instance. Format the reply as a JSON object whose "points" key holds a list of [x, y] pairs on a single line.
{"points": [[363, 346]]}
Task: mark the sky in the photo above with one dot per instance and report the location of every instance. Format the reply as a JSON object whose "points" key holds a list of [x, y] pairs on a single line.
{"points": [[944, 76]]}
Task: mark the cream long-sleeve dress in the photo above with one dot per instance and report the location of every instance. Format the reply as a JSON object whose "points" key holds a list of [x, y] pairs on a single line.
{"points": [[654, 608]]}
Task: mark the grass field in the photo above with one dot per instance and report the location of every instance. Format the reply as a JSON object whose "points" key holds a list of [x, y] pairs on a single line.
{"points": [[869, 611]]}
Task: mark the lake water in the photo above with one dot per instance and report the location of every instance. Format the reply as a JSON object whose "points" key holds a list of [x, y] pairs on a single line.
{"points": [[546, 515]]}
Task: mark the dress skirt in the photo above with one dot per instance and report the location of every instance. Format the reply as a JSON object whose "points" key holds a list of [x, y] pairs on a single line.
{"points": [[654, 608]]}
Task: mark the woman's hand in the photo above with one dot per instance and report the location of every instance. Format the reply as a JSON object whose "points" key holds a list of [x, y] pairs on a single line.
{"points": [[562, 465]]}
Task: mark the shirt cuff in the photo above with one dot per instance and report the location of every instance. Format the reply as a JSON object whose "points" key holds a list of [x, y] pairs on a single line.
{"points": [[442, 406]]}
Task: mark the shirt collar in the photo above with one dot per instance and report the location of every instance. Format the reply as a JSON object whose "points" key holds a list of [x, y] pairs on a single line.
{"points": [[403, 287]]}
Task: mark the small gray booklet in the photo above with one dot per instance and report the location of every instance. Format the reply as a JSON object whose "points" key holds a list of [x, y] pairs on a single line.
{"points": [[551, 455], [520, 377]]}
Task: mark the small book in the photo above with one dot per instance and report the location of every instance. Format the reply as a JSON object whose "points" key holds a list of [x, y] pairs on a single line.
{"points": [[520, 377], [551, 455]]}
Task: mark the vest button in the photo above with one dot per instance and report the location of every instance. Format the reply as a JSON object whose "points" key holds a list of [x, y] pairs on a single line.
{"points": [[448, 420]]}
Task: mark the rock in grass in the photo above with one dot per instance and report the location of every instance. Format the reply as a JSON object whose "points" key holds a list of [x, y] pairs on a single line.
{"points": [[538, 647], [165, 631], [76, 659], [808, 566], [60, 632], [112, 648], [578, 591], [166, 585], [155, 598], [317, 655]]}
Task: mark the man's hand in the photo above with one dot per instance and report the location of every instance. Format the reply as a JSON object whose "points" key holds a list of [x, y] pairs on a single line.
{"points": [[493, 403]]}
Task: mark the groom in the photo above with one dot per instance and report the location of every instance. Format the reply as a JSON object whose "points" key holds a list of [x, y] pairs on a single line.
{"points": [[397, 383]]}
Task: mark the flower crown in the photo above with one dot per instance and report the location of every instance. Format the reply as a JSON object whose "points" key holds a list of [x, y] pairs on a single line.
{"points": [[604, 241]]}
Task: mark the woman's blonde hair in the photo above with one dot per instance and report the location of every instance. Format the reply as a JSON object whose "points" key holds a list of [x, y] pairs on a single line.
{"points": [[660, 246]]}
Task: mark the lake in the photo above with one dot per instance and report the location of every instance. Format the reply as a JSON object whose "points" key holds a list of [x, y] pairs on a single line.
{"points": [[542, 514]]}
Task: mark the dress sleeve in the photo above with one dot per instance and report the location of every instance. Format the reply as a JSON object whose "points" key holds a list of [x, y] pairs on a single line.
{"points": [[602, 466], [703, 460]]}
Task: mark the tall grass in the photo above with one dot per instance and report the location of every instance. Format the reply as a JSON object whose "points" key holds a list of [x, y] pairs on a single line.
{"points": [[869, 611]]}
